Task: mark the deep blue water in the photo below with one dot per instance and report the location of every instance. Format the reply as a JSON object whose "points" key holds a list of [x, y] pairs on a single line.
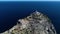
{"points": [[10, 12]]}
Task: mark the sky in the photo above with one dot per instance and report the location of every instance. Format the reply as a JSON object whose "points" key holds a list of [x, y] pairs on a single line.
{"points": [[29, 0]]}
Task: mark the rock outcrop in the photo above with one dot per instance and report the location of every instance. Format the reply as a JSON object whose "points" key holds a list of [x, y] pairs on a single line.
{"points": [[35, 23]]}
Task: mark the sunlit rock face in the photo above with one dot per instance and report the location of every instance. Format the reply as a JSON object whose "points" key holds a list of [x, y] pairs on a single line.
{"points": [[35, 23]]}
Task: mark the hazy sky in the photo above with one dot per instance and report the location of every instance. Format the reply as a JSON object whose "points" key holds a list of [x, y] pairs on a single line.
{"points": [[29, 0]]}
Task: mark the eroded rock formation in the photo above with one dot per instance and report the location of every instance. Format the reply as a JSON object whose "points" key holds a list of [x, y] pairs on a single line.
{"points": [[35, 23]]}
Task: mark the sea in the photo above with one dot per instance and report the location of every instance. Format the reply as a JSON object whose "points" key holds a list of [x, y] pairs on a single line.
{"points": [[12, 11]]}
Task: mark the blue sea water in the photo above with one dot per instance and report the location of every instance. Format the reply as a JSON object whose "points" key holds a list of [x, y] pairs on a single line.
{"points": [[11, 11]]}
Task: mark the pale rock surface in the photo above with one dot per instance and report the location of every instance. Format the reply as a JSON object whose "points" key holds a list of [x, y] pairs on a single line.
{"points": [[35, 23]]}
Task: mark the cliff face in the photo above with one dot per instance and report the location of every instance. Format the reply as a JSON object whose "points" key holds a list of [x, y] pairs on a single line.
{"points": [[36, 23]]}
